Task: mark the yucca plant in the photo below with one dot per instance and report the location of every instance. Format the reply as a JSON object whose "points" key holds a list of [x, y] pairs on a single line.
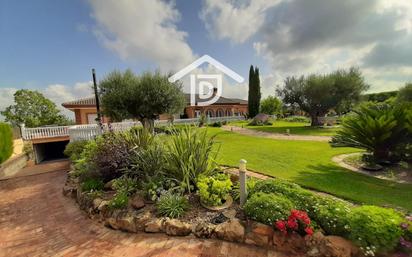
{"points": [[190, 154], [378, 128], [172, 205]]}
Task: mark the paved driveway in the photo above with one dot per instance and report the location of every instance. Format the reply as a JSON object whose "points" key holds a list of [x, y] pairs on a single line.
{"points": [[37, 220]]}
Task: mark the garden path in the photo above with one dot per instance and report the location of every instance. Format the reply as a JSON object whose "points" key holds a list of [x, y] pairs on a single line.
{"points": [[37, 220], [251, 132]]}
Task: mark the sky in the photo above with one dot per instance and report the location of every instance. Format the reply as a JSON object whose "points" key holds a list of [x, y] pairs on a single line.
{"points": [[51, 46]]}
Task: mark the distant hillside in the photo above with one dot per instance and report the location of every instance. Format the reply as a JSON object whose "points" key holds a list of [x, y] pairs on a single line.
{"points": [[379, 97]]}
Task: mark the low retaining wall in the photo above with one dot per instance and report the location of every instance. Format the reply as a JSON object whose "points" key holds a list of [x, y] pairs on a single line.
{"points": [[13, 165], [138, 218]]}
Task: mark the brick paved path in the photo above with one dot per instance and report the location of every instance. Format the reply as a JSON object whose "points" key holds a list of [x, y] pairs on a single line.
{"points": [[37, 220]]}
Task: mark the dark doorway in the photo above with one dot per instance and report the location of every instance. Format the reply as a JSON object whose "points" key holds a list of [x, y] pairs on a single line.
{"points": [[50, 151]]}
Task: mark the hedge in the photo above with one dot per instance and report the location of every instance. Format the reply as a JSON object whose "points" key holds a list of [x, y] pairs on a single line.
{"points": [[6, 141]]}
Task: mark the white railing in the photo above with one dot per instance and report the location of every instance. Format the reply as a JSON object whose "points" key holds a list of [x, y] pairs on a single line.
{"points": [[90, 131], [44, 132]]}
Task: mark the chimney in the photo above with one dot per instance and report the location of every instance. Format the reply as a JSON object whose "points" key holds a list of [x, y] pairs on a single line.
{"points": [[214, 91]]}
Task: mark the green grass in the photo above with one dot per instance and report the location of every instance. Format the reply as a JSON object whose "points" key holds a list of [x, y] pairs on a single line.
{"points": [[296, 128], [309, 164]]}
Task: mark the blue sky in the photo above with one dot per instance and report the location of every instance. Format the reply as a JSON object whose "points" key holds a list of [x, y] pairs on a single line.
{"points": [[51, 45]]}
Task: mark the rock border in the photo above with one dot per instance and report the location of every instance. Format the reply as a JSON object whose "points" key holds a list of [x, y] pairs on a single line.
{"points": [[248, 232]]}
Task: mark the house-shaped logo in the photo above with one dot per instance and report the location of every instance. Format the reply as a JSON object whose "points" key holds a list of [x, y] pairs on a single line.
{"points": [[201, 82]]}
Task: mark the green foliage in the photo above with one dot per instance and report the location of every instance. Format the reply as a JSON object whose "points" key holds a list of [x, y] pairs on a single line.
{"points": [[144, 97], [34, 110], [317, 94], [375, 229], [381, 129], [126, 185], [268, 208], [92, 184], [74, 149], [119, 201], [6, 142], [302, 119], [405, 94], [216, 124], [254, 92], [215, 189], [380, 97], [271, 105], [190, 154], [330, 214], [172, 205]]}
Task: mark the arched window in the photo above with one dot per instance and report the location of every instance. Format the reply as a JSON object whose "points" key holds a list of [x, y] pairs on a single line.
{"points": [[219, 113], [228, 112], [209, 113]]}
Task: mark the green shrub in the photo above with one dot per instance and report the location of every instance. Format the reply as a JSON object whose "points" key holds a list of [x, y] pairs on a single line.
{"points": [[381, 129], [268, 208], [190, 154], [126, 185], [172, 205], [119, 201], [375, 229], [330, 214], [92, 185], [302, 119], [74, 149], [216, 124], [6, 141], [215, 189]]}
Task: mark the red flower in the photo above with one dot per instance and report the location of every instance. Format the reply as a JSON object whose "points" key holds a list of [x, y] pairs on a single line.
{"points": [[306, 220], [293, 224], [309, 231], [281, 225]]}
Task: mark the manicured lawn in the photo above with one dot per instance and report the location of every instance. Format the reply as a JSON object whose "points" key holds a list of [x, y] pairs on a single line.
{"points": [[309, 164], [297, 128]]}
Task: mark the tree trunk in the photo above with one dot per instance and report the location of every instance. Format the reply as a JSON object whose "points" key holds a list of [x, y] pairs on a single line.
{"points": [[315, 122], [381, 155], [148, 124]]}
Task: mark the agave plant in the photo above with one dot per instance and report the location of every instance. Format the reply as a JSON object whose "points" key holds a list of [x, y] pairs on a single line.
{"points": [[190, 154], [380, 129]]}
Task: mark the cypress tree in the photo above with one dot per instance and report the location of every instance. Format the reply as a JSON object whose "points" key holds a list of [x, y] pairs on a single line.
{"points": [[257, 90], [251, 91]]}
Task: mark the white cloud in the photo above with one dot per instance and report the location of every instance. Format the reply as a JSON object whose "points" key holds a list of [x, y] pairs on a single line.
{"points": [[298, 37], [236, 22], [144, 29]]}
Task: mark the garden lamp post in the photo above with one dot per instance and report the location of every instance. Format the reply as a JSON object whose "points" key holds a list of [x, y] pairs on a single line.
{"points": [[242, 181]]}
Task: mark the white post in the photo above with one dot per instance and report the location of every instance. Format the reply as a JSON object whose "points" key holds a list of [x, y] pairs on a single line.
{"points": [[242, 180], [23, 131]]}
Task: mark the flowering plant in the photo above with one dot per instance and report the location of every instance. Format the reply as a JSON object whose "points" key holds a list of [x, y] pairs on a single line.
{"points": [[298, 221]]}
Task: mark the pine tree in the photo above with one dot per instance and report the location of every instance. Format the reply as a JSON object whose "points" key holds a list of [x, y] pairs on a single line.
{"points": [[257, 90]]}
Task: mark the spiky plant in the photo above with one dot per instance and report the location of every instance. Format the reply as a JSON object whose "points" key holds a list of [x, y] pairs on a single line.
{"points": [[378, 128], [172, 205], [190, 154]]}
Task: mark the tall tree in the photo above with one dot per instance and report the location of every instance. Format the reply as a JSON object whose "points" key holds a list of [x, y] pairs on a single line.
{"points": [[271, 105], [405, 94], [254, 91], [34, 110], [318, 94], [145, 97]]}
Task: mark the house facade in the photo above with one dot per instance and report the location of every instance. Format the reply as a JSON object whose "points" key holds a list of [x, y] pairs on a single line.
{"points": [[85, 110]]}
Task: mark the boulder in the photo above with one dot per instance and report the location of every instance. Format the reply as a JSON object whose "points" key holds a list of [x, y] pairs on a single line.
{"points": [[260, 119], [230, 214], [141, 219], [330, 246], [137, 202], [96, 203], [204, 230], [155, 226], [259, 234], [109, 185], [231, 230], [126, 222], [69, 191], [293, 244], [175, 227]]}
